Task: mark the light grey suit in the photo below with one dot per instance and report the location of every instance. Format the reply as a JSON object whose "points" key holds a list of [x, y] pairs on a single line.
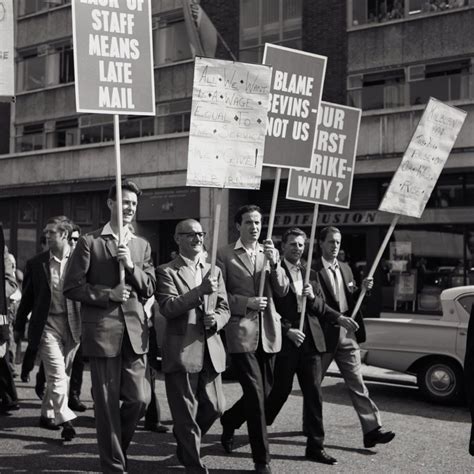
{"points": [[193, 357]]}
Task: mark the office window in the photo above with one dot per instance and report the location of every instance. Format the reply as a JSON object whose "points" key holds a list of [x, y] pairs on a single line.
{"points": [[65, 133], [30, 138], [173, 117], [33, 71], [28, 7], [170, 39], [268, 21], [445, 81]]}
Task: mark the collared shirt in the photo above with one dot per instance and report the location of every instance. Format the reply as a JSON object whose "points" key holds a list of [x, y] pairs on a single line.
{"points": [[195, 266], [127, 233], [252, 253], [56, 270], [297, 282], [334, 271]]}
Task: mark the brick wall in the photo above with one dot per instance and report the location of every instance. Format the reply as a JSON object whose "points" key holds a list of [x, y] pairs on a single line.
{"points": [[324, 32]]}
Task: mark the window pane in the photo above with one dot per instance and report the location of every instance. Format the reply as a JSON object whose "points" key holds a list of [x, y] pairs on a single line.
{"points": [[34, 72], [292, 18], [249, 22], [91, 135], [171, 43]]}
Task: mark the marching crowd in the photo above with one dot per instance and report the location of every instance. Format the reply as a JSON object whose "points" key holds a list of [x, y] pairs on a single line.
{"points": [[73, 297]]}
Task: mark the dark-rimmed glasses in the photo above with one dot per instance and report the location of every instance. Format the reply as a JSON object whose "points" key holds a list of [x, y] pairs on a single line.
{"points": [[193, 235]]}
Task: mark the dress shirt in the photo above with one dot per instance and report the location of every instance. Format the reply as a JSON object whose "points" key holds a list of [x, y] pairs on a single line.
{"points": [[297, 282], [196, 267], [127, 233], [56, 270], [252, 253], [334, 271]]}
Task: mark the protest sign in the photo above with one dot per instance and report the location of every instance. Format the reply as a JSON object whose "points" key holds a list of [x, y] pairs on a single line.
{"points": [[424, 159], [228, 124], [7, 51], [113, 58], [330, 178], [296, 89]]}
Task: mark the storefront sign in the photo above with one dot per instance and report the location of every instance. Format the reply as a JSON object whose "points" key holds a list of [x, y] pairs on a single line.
{"points": [[297, 85], [113, 58], [330, 179], [424, 159], [7, 51], [169, 204], [228, 124]]}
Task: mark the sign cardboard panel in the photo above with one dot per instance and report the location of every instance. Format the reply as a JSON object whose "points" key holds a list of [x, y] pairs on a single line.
{"points": [[297, 86], [424, 159], [113, 58], [330, 178], [7, 50], [228, 124]]}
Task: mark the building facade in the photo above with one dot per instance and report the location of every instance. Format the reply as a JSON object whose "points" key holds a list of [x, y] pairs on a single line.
{"points": [[384, 56]]}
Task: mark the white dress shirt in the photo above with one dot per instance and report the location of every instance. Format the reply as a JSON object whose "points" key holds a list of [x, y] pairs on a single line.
{"points": [[334, 272]]}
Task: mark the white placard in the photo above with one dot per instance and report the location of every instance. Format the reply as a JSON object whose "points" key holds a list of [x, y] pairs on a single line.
{"points": [[424, 159], [7, 50], [228, 124]]}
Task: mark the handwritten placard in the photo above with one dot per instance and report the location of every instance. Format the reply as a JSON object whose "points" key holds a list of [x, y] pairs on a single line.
{"points": [[296, 90], [7, 50], [329, 181], [228, 124], [424, 159], [113, 58]]}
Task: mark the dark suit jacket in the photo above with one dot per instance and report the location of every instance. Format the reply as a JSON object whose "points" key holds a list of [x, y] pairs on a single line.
{"points": [[92, 273], [469, 364], [331, 330], [242, 282], [185, 337], [287, 307], [36, 298]]}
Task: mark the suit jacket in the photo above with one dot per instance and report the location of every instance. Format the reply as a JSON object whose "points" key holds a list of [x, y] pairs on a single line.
{"points": [[287, 307], [185, 337], [242, 281], [331, 330], [92, 273], [10, 286], [469, 364], [36, 298]]}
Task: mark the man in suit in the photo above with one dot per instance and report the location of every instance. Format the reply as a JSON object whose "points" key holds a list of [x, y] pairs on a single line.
{"points": [[343, 337], [301, 350], [114, 326], [469, 376], [8, 286], [253, 334], [195, 306], [55, 326]]}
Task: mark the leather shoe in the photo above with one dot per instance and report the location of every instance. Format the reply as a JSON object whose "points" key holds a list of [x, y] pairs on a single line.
{"points": [[319, 455], [263, 468], [68, 432], [227, 439], [156, 427], [76, 405], [39, 391], [8, 407], [25, 378], [377, 436], [48, 423]]}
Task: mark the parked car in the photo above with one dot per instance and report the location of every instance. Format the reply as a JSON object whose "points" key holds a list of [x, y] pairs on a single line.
{"points": [[430, 347]]}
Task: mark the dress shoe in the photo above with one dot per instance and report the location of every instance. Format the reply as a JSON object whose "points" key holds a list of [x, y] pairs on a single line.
{"points": [[377, 436], [68, 433], [227, 439], [39, 390], [8, 407], [263, 468], [76, 405], [25, 378], [319, 455], [156, 427], [48, 423]]}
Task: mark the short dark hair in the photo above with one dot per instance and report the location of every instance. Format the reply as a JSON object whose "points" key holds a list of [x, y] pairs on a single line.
{"points": [[328, 230], [243, 210], [76, 228], [126, 185], [63, 223], [293, 231]]}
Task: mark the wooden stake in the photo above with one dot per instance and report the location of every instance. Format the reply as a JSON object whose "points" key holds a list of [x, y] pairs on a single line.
{"points": [[118, 183]]}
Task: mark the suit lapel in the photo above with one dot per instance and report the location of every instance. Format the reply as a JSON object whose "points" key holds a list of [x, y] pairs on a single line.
{"points": [[327, 281], [245, 259], [185, 273], [46, 269], [346, 279]]}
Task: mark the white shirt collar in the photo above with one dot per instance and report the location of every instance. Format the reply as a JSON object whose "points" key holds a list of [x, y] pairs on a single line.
{"points": [[53, 257], [292, 266], [240, 245], [327, 264], [127, 233]]}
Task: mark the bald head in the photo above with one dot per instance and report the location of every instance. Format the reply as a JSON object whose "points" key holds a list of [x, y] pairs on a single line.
{"points": [[190, 238]]}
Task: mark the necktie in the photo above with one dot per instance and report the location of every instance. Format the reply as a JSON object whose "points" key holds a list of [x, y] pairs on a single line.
{"points": [[333, 269]]}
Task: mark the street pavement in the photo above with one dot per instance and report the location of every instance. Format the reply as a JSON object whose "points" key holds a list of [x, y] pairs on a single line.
{"points": [[430, 438]]}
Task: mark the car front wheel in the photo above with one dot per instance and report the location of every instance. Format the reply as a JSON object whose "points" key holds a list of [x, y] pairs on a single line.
{"points": [[441, 381]]}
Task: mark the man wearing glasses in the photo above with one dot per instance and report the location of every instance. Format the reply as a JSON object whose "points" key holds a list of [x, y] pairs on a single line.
{"points": [[194, 303]]}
